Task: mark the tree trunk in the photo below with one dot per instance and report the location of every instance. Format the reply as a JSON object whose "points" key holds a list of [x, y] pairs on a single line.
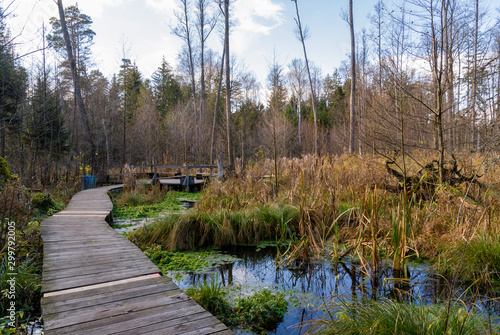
{"points": [[315, 111], [230, 156], [216, 112], [2, 135], [76, 79], [352, 132], [475, 137], [300, 123]]}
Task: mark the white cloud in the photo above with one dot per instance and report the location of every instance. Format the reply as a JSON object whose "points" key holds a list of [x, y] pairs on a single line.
{"points": [[258, 16], [167, 7], [254, 19], [95, 8]]}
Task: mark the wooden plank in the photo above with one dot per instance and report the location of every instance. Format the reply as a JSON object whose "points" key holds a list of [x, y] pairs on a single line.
{"points": [[133, 322], [103, 288], [176, 326], [68, 304], [84, 280], [95, 281], [113, 309]]}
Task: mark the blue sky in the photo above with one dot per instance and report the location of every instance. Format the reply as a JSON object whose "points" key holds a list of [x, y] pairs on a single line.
{"points": [[262, 27]]}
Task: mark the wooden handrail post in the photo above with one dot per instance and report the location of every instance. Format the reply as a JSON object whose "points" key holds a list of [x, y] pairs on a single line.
{"points": [[155, 176], [187, 180], [220, 169]]}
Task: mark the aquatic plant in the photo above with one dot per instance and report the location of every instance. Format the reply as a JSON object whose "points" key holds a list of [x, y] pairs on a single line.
{"points": [[211, 296], [176, 261], [147, 201], [262, 311]]}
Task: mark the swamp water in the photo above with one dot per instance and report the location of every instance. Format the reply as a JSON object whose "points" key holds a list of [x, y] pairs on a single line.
{"points": [[245, 270]]}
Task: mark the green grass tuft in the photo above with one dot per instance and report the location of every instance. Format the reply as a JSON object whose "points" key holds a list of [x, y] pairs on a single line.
{"points": [[476, 260], [388, 317]]}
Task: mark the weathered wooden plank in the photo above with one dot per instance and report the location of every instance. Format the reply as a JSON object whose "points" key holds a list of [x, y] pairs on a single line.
{"points": [[92, 269], [97, 282], [84, 280], [208, 326], [68, 304], [173, 326], [113, 309], [135, 322]]}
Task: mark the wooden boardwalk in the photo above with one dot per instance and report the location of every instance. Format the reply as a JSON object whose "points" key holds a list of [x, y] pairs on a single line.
{"points": [[95, 281]]}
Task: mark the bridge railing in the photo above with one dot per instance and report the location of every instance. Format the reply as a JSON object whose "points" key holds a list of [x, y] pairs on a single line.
{"points": [[186, 180]]}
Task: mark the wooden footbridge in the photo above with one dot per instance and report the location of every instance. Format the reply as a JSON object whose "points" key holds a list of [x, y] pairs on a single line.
{"points": [[176, 177], [97, 282]]}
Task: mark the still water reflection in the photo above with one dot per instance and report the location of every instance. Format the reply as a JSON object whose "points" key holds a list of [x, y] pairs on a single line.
{"points": [[310, 284]]}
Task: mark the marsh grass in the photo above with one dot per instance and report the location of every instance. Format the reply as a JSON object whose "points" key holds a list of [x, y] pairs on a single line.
{"points": [[477, 260], [342, 205], [211, 296], [388, 317], [223, 228]]}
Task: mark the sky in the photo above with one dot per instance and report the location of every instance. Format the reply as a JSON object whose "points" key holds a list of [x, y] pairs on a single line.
{"points": [[263, 28]]}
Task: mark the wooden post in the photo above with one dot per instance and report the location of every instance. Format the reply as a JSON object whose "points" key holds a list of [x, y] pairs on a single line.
{"points": [[220, 169], [155, 177], [187, 180]]}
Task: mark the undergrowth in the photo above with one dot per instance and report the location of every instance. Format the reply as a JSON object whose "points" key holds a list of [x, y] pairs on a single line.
{"points": [[22, 209]]}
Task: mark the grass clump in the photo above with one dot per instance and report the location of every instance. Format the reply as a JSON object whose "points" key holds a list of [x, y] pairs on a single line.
{"points": [[222, 228], [475, 260], [44, 204], [388, 317], [211, 296]]}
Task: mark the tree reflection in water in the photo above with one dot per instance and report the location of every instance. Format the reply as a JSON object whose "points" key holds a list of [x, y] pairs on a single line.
{"points": [[310, 284]]}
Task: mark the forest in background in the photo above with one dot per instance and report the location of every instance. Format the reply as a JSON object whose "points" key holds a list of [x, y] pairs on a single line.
{"points": [[426, 74]]}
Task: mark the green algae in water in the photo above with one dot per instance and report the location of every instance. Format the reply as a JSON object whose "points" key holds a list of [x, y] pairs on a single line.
{"points": [[138, 207], [178, 264]]}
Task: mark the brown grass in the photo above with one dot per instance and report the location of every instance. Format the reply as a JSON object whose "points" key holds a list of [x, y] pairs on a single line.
{"points": [[321, 189]]}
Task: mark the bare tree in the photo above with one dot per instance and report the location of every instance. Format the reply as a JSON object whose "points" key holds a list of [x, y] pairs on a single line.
{"points": [[230, 155], [183, 31], [205, 26], [476, 139], [298, 81], [302, 36]]}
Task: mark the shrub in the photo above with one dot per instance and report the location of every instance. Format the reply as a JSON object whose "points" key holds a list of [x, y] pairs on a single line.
{"points": [[44, 204]]}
